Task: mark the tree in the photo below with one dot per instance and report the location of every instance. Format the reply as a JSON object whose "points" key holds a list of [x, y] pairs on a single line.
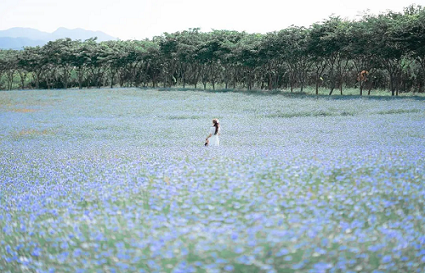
{"points": [[292, 49], [97, 54], [319, 53], [386, 46], [153, 61], [380, 51], [2, 66], [80, 59], [168, 48], [361, 52], [410, 33], [21, 68], [247, 55], [10, 66], [33, 60], [60, 57]]}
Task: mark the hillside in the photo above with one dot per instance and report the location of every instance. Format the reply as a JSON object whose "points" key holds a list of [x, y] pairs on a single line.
{"points": [[18, 38], [18, 43]]}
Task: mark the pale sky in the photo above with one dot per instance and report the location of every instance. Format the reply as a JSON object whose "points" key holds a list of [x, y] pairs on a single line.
{"points": [[139, 19]]}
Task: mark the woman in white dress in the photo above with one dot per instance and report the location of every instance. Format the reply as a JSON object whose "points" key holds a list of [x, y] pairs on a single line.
{"points": [[212, 138]]}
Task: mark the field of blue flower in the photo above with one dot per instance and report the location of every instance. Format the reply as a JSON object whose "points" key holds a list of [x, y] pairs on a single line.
{"points": [[119, 181]]}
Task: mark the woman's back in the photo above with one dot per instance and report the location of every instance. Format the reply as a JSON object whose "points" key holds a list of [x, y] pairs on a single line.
{"points": [[214, 140]]}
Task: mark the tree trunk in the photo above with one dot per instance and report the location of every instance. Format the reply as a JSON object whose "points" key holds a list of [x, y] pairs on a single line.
{"points": [[249, 80], [65, 84], [291, 81], [342, 71], [392, 88], [397, 83], [319, 71], [37, 80], [112, 80], [317, 87], [302, 79], [23, 76], [99, 81], [196, 78], [80, 78], [270, 81], [370, 88], [10, 75], [65, 76]]}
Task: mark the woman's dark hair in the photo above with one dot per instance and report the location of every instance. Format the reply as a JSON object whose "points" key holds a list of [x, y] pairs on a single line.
{"points": [[216, 125]]}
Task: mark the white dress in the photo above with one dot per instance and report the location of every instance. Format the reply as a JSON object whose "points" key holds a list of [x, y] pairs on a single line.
{"points": [[214, 140]]}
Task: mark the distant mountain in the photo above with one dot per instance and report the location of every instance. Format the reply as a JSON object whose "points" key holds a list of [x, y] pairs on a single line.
{"points": [[19, 43], [80, 34], [29, 33], [17, 38]]}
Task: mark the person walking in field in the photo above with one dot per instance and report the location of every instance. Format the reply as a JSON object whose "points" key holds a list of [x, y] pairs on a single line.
{"points": [[212, 138]]}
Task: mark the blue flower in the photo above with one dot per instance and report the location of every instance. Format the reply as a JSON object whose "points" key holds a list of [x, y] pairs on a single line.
{"points": [[298, 266], [281, 252], [229, 268], [36, 252], [386, 259]]}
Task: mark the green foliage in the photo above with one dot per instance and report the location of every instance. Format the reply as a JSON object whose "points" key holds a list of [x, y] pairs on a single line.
{"points": [[329, 55]]}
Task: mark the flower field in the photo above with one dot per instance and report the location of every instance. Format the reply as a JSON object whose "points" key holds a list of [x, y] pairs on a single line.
{"points": [[119, 181]]}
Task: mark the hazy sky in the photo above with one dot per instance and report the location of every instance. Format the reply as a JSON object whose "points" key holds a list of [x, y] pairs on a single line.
{"points": [[133, 19]]}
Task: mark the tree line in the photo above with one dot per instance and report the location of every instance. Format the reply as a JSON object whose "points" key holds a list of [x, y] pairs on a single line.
{"points": [[385, 51]]}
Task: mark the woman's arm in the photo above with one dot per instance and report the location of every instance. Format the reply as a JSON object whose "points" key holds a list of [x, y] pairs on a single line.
{"points": [[208, 136]]}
